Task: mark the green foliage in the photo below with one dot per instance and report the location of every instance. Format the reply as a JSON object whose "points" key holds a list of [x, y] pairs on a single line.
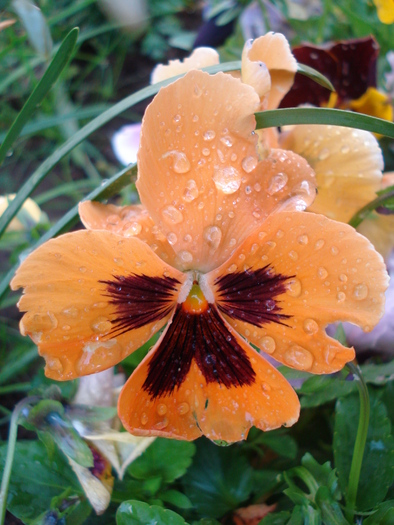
{"points": [[138, 513]]}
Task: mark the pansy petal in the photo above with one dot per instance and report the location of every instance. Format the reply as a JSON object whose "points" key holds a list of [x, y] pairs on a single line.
{"points": [[128, 221], [294, 276], [201, 57], [203, 378], [348, 164], [274, 52], [92, 298], [199, 175]]}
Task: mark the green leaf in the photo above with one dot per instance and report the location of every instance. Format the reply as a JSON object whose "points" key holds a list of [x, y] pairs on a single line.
{"points": [[333, 117], [379, 450], [176, 498], [165, 458], [378, 374], [384, 515], [279, 518], [139, 513], [330, 510], [324, 474], [35, 479], [219, 480], [319, 390], [315, 75], [206, 521], [280, 442], [59, 62]]}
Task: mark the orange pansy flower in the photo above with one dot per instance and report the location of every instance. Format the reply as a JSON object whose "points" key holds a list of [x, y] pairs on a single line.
{"points": [[220, 256]]}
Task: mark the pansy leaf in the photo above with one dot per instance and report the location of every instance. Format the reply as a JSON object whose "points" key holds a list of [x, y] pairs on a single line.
{"points": [[378, 374], [164, 458], [219, 480], [384, 514], [323, 474], [319, 390], [36, 479], [280, 442], [139, 513], [330, 510], [282, 518], [176, 498], [379, 450]]}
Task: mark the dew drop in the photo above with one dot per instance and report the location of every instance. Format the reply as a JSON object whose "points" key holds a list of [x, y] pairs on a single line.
{"points": [[195, 118], [277, 183], [82, 269], [161, 409], [299, 358], [360, 291], [183, 408], [176, 118], [209, 135], [334, 250], [144, 419], [341, 296], [113, 219], [191, 191], [161, 425], [324, 154], [345, 149], [197, 91], [343, 277], [172, 238], [232, 268], [310, 326], [293, 255], [172, 215], [213, 236], [206, 152], [71, 312], [227, 179], [185, 256], [249, 163], [303, 239], [267, 344], [135, 228], [101, 325], [181, 163], [319, 244], [293, 287], [227, 141], [322, 272], [54, 363]]}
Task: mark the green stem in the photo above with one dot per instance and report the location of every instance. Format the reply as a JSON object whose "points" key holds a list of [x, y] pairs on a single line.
{"points": [[362, 214], [17, 387], [359, 445], [10, 454]]}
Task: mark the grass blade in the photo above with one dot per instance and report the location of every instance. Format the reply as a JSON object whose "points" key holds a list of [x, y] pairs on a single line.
{"points": [[315, 75], [58, 63]]}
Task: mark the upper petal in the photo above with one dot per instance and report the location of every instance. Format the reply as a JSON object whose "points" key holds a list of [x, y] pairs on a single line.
{"points": [[199, 175], [348, 164], [201, 57], [273, 51], [317, 271], [92, 298], [128, 221]]}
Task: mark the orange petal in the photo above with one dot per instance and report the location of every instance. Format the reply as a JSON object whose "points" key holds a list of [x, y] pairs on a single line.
{"points": [[274, 52], [330, 272], [75, 316], [128, 221], [348, 164], [199, 406], [201, 57], [199, 175]]}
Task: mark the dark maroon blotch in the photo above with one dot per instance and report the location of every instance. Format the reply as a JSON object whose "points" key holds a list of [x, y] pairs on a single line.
{"points": [[205, 338], [251, 296]]}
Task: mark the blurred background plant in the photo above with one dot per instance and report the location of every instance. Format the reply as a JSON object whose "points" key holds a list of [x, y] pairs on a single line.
{"points": [[63, 153]]}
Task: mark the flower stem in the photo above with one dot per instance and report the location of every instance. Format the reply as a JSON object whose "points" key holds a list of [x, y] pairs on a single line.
{"points": [[10, 455], [361, 439], [361, 214]]}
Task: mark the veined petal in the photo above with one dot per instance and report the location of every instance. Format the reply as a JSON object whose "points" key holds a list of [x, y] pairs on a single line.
{"points": [[296, 274], [201, 57], [84, 293], [348, 164], [199, 174], [203, 378], [128, 221], [272, 50]]}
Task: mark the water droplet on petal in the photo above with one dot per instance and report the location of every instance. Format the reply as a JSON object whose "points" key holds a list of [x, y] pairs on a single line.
{"points": [[334, 250], [232, 268], [101, 325], [277, 183], [161, 425], [185, 256], [227, 179], [299, 358], [161, 409], [209, 135], [82, 269], [206, 152], [144, 419], [134, 229], [172, 238], [172, 215], [191, 191], [319, 244], [181, 163], [310, 326], [71, 312], [267, 344], [176, 118], [360, 291], [324, 154], [54, 363], [293, 255], [345, 149], [213, 236], [249, 163], [183, 408], [341, 296], [303, 239], [343, 277], [293, 287], [322, 273]]}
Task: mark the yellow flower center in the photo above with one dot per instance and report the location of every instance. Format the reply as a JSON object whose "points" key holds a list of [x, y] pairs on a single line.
{"points": [[195, 302]]}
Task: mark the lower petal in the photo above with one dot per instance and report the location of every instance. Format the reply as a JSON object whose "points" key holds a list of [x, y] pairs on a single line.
{"points": [[200, 388]]}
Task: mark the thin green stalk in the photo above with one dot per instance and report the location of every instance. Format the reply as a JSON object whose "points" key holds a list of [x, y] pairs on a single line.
{"points": [[16, 387], [10, 454], [359, 445], [362, 214]]}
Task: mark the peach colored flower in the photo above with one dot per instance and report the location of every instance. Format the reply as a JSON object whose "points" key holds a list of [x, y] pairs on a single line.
{"points": [[218, 255]]}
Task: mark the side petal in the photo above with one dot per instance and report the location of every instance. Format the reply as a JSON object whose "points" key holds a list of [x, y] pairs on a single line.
{"points": [[201, 57], [128, 221], [202, 378], [274, 51], [92, 298], [348, 165], [293, 277], [199, 174]]}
